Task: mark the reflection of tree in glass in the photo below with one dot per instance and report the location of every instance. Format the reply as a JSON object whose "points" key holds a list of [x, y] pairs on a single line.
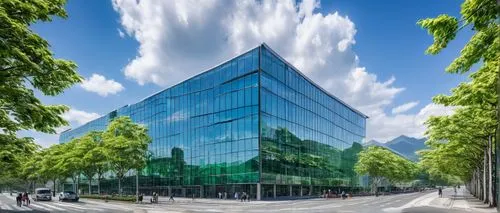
{"points": [[283, 151]]}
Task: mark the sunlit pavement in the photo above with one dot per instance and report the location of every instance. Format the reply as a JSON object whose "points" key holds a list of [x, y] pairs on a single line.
{"points": [[8, 204], [407, 203]]}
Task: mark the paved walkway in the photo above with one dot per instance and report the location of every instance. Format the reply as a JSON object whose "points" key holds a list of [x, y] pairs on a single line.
{"points": [[462, 201], [165, 199]]}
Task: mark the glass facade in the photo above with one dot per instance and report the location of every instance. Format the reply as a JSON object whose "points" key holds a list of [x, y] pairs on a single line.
{"points": [[253, 124]]}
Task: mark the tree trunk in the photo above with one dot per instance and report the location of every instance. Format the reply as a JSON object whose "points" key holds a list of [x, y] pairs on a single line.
{"points": [[485, 161], [54, 191], [98, 184], [478, 184], [74, 184], [90, 186], [120, 186], [78, 184], [375, 181], [137, 186], [490, 174]]}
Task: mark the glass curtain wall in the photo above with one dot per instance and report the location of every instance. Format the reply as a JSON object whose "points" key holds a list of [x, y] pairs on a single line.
{"points": [[253, 119], [204, 132], [309, 140]]}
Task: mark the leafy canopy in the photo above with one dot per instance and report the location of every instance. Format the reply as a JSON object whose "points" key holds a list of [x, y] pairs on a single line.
{"points": [[457, 142], [379, 162], [126, 143], [27, 64]]}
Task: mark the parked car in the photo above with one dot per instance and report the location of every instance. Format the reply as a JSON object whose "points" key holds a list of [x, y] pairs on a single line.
{"points": [[68, 195], [42, 194]]}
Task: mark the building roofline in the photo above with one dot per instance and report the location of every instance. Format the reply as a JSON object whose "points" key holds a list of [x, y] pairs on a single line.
{"points": [[311, 81], [220, 64], [198, 74], [67, 130]]}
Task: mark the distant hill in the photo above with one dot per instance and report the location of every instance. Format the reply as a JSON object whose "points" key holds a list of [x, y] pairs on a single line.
{"points": [[376, 143], [408, 146], [403, 145]]}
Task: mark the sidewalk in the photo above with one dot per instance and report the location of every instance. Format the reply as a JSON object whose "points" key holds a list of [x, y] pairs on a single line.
{"points": [[463, 200], [165, 200]]}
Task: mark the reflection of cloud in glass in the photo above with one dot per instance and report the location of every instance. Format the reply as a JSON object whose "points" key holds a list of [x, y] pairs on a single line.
{"points": [[178, 116]]}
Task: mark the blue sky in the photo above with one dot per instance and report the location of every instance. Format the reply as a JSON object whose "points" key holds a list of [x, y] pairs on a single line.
{"points": [[375, 62]]}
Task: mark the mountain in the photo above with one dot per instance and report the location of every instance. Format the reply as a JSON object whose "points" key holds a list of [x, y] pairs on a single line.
{"points": [[376, 143], [403, 145], [408, 146]]}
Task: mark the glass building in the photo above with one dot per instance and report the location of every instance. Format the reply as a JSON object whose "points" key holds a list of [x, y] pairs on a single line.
{"points": [[253, 124]]}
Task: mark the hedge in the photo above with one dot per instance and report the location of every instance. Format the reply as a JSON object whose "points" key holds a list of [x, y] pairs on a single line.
{"points": [[130, 198]]}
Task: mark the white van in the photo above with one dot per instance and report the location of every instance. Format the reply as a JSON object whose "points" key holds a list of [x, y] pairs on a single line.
{"points": [[42, 194]]}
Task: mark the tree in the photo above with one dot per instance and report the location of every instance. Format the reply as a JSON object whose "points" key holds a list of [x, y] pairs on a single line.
{"points": [[26, 63], [14, 151], [70, 163], [30, 171], [379, 163], [95, 157], [126, 146], [479, 97], [94, 160], [50, 158]]}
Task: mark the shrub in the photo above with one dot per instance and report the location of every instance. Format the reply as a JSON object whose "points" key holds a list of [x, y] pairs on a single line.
{"points": [[129, 198]]}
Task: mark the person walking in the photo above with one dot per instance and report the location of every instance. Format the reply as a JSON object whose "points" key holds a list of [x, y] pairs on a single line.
{"points": [[172, 197], [243, 196], [141, 196], [153, 198], [440, 192], [236, 196], [26, 199], [19, 199]]}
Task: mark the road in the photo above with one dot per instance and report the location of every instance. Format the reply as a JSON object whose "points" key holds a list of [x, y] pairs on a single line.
{"points": [[8, 204], [427, 202]]}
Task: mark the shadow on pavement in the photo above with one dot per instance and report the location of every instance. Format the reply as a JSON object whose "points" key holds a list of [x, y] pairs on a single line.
{"points": [[9, 211], [431, 209], [458, 197]]}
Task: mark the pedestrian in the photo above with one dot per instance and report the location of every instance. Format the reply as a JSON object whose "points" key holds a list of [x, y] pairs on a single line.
{"points": [[172, 197], [236, 196], [141, 196], [225, 195], [153, 197], [26, 199], [219, 195], [343, 195], [19, 200], [243, 196], [440, 192]]}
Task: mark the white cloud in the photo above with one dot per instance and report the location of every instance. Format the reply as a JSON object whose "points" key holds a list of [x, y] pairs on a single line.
{"points": [[178, 39], [178, 116], [121, 33], [73, 116], [98, 84], [79, 117], [404, 107], [46, 140], [383, 127]]}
